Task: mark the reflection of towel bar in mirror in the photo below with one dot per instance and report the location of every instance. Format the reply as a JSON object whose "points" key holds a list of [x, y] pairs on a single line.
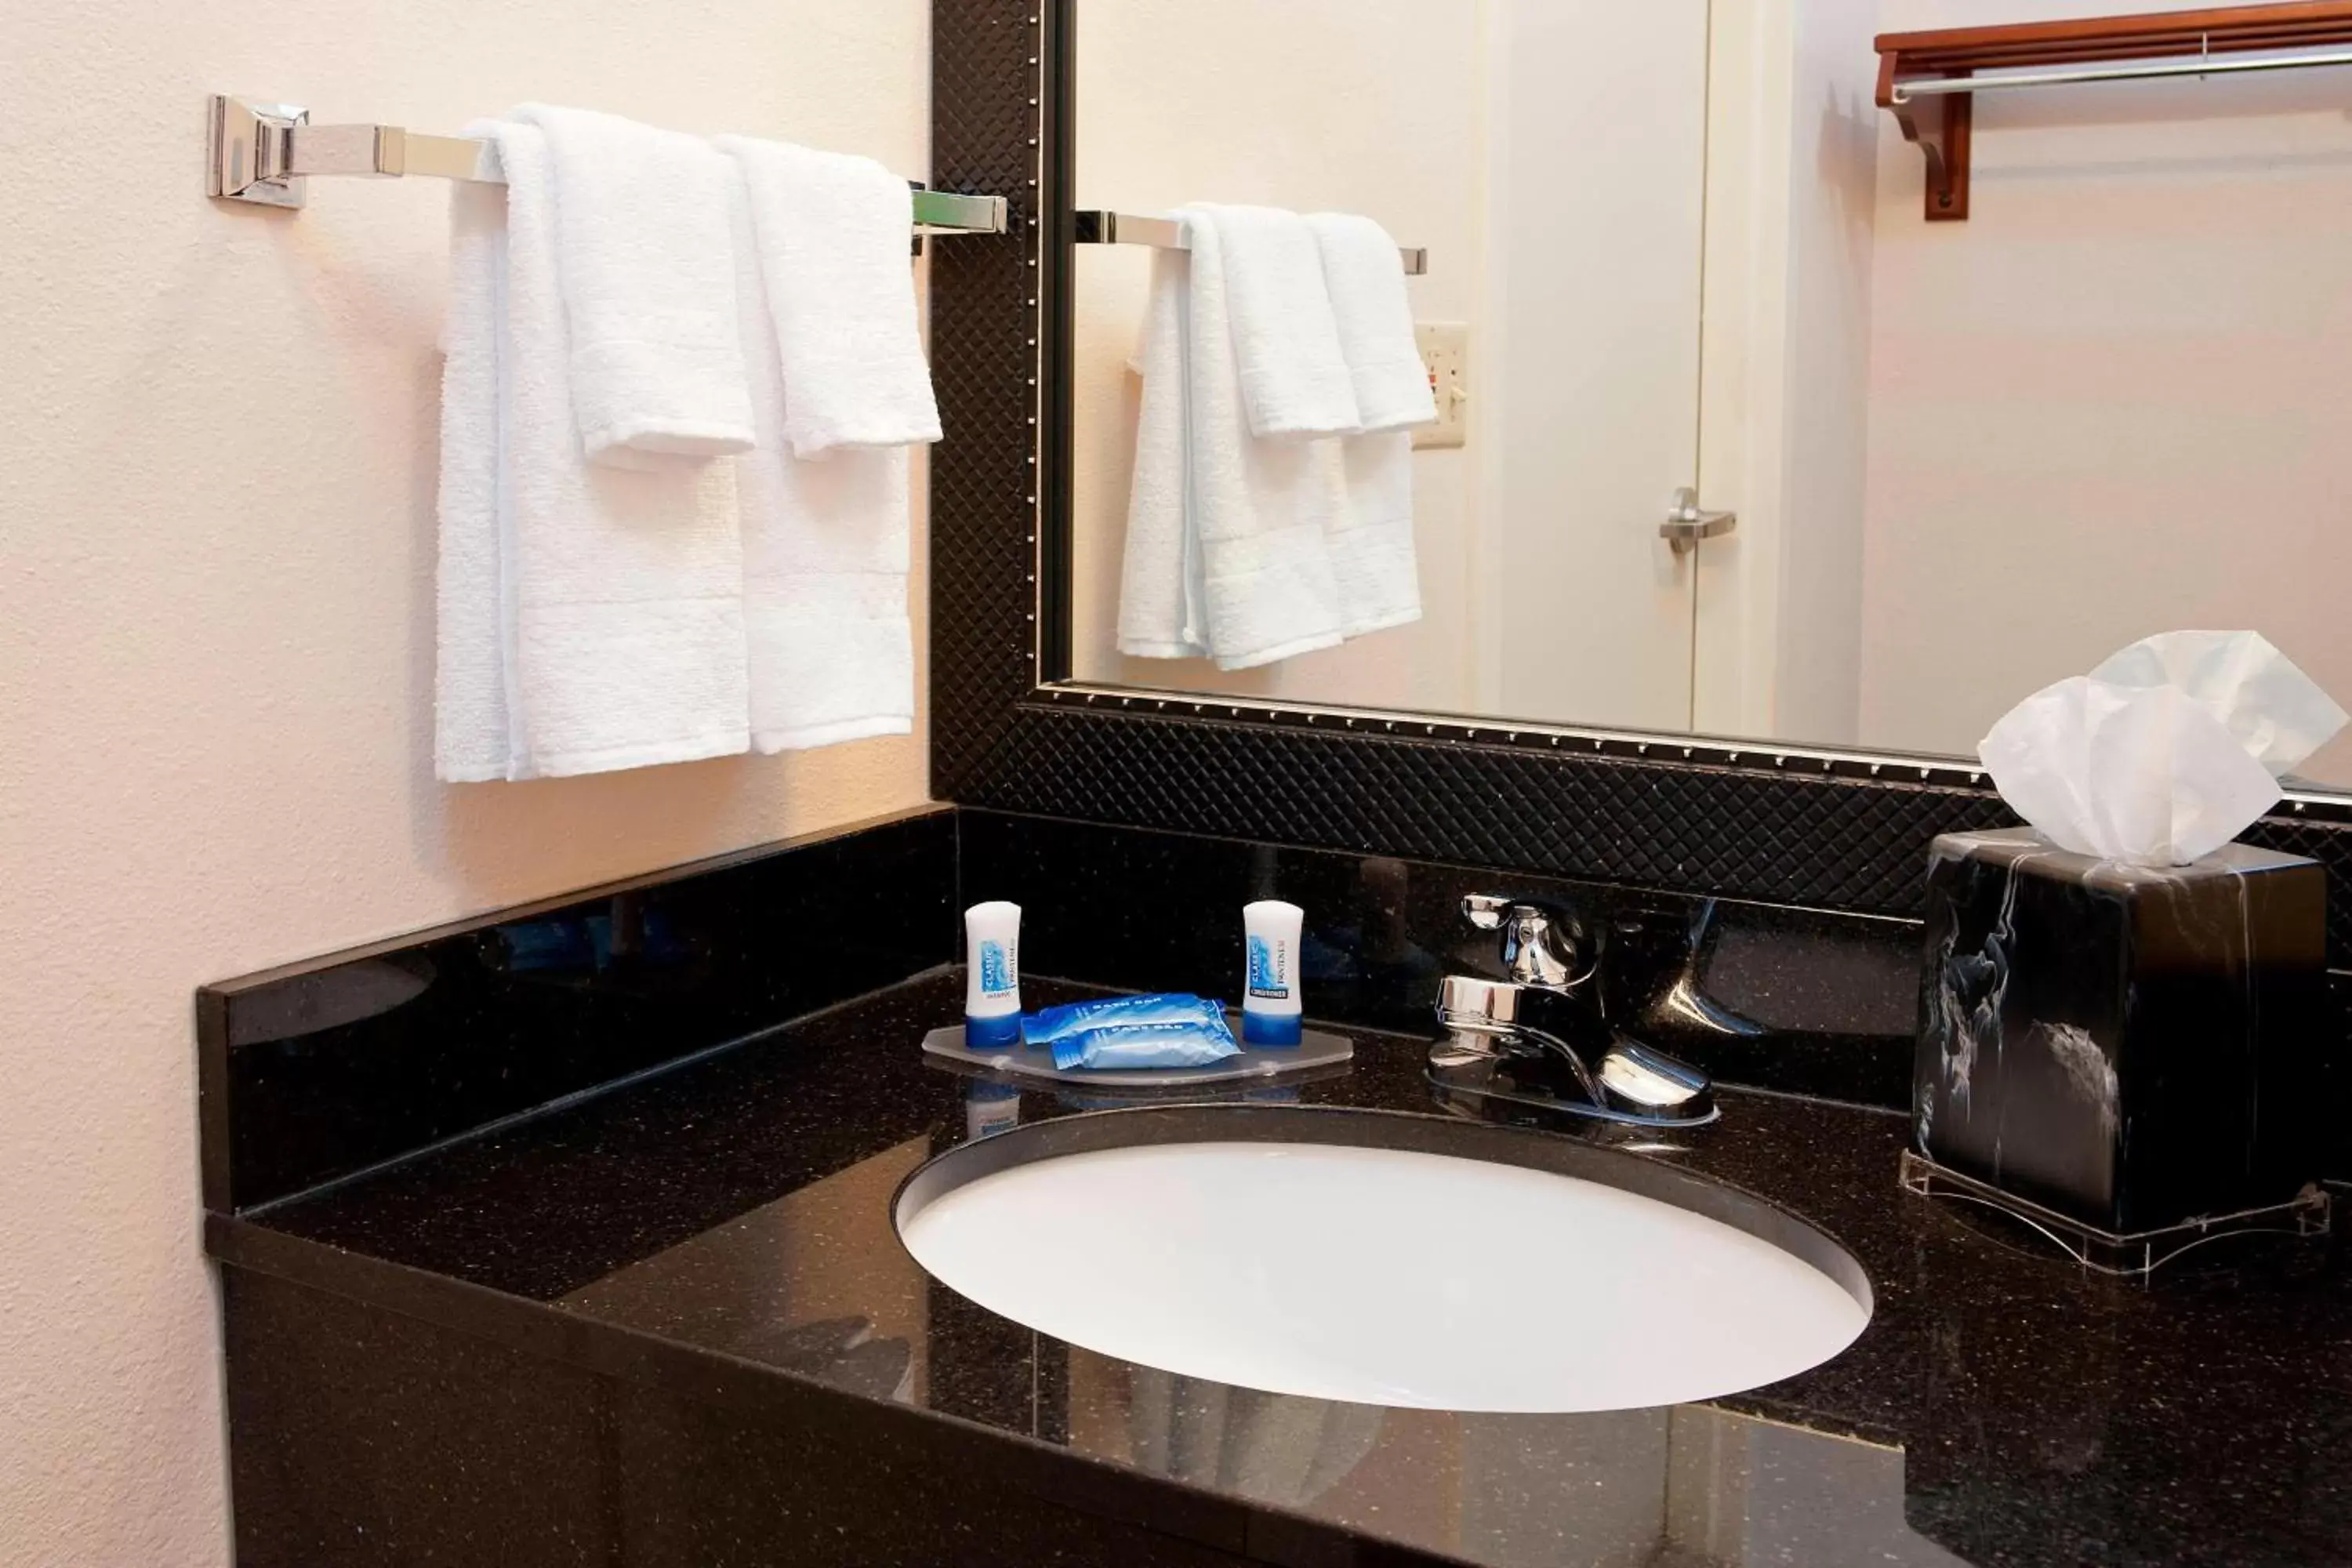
{"points": [[262, 153], [1126, 228]]}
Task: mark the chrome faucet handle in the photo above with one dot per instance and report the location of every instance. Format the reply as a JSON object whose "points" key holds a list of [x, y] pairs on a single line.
{"points": [[1540, 943]]}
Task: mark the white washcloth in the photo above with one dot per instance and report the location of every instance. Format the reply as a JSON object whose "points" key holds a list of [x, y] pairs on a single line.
{"points": [[648, 290], [1226, 548], [1294, 378], [615, 597], [833, 251], [831, 653], [1365, 277]]}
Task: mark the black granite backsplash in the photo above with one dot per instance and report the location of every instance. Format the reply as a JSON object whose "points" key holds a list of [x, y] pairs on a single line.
{"points": [[1802, 1001], [318, 1070]]}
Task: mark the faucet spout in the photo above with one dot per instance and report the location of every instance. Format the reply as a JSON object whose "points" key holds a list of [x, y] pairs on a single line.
{"points": [[1486, 1018], [1537, 1015]]}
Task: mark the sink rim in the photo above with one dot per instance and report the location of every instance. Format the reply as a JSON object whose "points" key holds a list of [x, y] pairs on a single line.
{"points": [[1131, 1127]]}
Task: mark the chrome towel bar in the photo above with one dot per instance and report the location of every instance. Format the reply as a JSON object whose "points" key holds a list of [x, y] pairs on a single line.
{"points": [[262, 153], [1092, 228]]}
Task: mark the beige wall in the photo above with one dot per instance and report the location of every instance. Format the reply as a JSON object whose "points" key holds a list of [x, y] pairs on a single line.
{"points": [[216, 458], [2112, 401]]}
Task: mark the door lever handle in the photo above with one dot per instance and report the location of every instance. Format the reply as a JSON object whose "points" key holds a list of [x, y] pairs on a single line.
{"points": [[1685, 524]]}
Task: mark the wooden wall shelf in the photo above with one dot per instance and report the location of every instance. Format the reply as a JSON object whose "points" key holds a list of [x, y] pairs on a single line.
{"points": [[1940, 122]]}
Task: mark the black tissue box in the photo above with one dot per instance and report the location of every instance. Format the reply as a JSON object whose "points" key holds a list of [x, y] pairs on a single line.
{"points": [[2133, 1047]]}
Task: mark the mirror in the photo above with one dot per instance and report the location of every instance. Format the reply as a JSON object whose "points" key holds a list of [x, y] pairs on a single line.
{"points": [[1678, 247]]}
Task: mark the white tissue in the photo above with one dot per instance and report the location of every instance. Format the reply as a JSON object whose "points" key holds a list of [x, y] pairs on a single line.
{"points": [[2271, 707], [2164, 755]]}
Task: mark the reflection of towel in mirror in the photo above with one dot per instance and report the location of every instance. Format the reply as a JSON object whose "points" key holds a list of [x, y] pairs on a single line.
{"points": [[1160, 611], [1277, 1449], [1372, 558], [1372, 317], [1249, 549], [1291, 370], [1226, 533]]}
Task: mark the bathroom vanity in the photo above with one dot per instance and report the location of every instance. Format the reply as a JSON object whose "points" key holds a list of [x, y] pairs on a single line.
{"points": [[570, 1235], [667, 1319]]}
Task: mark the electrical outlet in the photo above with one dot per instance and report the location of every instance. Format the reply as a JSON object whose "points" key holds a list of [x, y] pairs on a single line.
{"points": [[1446, 351]]}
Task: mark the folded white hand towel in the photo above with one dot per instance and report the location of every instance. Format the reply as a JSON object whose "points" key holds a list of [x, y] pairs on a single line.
{"points": [[648, 289], [1260, 510], [831, 231], [1295, 383], [824, 561], [618, 594], [1374, 317]]}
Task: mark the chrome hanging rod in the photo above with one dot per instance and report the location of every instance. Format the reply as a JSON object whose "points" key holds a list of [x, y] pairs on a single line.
{"points": [[1166, 234], [2133, 70], [262, 153]]}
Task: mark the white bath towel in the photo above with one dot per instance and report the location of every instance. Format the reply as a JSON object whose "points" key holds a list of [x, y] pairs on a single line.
{"points": [[616, 595], [1159, 613], [825, 559], [1295, 384], [1226, 548], [1373, 561], [1373, 316], [648, 290], [833, 233], [469, 678]]}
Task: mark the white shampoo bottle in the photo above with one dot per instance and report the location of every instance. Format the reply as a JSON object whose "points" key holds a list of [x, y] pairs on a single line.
{"points": [[1270, 1004], [991, 996]]}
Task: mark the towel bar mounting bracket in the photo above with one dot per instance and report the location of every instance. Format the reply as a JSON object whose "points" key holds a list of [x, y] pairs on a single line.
{"points": [[250, 149]]}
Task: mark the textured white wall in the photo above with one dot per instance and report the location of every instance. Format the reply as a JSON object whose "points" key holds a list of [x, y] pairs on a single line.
{"points": [[217, 459], [2112, 401]]}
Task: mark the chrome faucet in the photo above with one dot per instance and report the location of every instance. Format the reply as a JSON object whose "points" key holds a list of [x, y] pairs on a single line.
{"points": [[1541, 1013]]}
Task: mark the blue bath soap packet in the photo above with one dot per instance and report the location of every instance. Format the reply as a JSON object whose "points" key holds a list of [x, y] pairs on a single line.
{"points": [[1047, 1024], [1191, 1043], [1123, 1033]]}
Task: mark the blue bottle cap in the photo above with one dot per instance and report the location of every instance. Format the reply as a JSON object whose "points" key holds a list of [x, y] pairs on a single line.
{"points": [[1269, 1028], [985, 1034]]}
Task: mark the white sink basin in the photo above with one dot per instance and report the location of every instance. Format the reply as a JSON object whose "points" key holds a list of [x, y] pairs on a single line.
{"points": [[1386, 1276]]}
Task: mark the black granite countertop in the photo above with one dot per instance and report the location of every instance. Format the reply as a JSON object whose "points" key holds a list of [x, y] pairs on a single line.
{"points": [[732, 1217]]}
